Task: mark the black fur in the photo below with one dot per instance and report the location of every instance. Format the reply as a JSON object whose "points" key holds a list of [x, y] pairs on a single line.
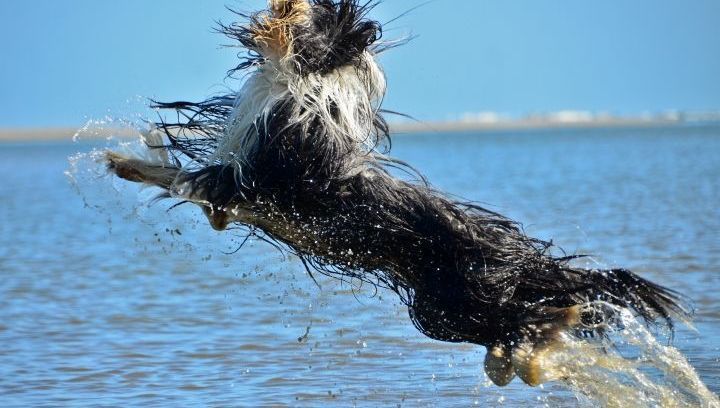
{"points": [[337, 36], [466, 274]]}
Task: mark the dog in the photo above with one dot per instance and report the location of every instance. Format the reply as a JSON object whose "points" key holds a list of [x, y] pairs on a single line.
{"points": [[300, 155]]}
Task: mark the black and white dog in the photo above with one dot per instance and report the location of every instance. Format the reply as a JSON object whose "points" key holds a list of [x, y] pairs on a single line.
{"points": [[296, 155]]}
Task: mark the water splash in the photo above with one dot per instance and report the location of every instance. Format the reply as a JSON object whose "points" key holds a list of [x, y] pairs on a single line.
{"points": [[156, 226], [628, 368], [88, 175]]}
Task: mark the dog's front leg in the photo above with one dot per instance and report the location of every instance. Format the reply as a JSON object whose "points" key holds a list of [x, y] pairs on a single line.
{"points": [[140, 171], [209, 189], [165, 177]]}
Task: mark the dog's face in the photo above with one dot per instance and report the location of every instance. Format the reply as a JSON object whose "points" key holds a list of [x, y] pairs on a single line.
{"points": [[311, 36]]}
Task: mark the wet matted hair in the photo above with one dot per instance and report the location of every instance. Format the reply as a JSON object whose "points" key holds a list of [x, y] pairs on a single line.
{"points": [[299, 156]]}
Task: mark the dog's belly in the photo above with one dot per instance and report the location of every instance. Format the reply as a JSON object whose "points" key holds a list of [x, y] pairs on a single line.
{"points": [[446, 302]]}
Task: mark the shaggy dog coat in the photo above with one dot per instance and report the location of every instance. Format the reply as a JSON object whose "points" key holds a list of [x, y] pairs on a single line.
{"points": [[296, 155]]}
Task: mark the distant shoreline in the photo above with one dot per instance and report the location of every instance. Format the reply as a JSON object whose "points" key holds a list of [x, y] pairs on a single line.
{"points": [[61, 134], [541, 123]]}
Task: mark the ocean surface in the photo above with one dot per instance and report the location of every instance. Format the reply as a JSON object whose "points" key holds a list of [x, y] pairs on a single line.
{"points": [[107, 301]]}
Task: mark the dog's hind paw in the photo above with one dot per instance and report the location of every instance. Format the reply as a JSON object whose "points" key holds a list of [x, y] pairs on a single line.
{"points": [[536, 358], [498, 365]]}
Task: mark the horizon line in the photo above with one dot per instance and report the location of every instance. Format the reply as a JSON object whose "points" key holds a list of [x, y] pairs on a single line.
{"points": [[481, 122]]}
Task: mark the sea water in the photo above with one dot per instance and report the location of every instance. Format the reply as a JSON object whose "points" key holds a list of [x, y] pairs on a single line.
{"points": [[105, 301]]}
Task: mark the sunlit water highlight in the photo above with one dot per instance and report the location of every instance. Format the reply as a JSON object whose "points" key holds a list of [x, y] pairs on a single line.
{"points": [[107, 302]]}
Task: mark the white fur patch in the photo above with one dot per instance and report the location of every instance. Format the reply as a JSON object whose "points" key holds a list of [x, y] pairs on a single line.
{"points": [[345, 100]]}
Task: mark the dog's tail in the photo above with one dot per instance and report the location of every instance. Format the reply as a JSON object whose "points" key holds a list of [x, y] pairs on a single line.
{"points": [[621, 287]]}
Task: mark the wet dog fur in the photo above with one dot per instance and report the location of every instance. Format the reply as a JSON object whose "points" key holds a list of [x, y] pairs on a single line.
{"points": [[299, 154]]}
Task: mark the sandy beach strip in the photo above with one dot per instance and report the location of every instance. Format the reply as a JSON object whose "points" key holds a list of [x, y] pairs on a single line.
{"points": [[62, 134], [29, 134]]}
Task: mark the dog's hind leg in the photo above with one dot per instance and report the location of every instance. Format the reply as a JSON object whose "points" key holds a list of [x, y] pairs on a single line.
{"points": [[532, 359]]}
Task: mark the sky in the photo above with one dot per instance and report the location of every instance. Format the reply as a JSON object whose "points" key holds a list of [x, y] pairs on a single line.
{"points": [[65, 62]]}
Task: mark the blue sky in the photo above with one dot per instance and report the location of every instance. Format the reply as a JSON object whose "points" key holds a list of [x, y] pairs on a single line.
{"points": [[62, 62]]}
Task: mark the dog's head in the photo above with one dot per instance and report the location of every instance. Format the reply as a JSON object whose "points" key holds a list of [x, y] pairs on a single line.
{"points": [[309, 36], [311, 82]]}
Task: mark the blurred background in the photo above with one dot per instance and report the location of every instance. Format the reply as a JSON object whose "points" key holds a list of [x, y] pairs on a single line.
{"points": [[595, 124]]}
